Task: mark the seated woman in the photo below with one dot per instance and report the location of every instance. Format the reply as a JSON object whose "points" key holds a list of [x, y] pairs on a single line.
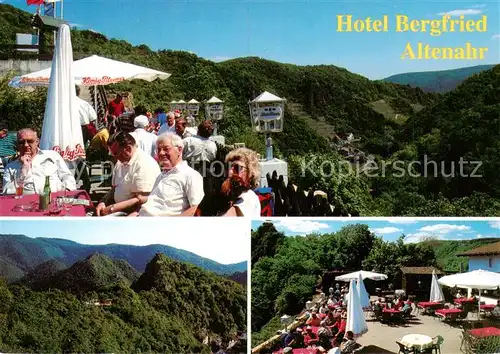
{"points": [[245, 163]]}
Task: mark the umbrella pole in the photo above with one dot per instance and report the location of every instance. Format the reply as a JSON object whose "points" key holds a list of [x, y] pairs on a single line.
{"points": [[95, 98], [479, 306]]}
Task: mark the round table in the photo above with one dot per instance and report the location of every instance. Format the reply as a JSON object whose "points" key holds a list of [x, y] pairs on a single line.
{"points": [[417, 341]]}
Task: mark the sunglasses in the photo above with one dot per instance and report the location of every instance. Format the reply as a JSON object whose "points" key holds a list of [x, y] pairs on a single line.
{"points": [[24, 141], [237, 168]]}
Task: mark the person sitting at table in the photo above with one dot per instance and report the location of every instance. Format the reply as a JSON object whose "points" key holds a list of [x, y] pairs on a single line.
{"points": [[350, 344], [398, 303], [323, 309], [325, 336], [336, 346], [35, 165], [310, 338], [314, 320], [133, 176], [293, 338], [245, 163], [458, 295], [179, 188], [329, 319], [496, 310], [340, 325]]}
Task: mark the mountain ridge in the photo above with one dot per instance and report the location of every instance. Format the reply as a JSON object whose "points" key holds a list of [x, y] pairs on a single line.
{"points": [[20, 254], [438, 81]]}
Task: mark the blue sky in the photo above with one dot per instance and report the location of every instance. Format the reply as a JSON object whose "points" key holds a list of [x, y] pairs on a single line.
{"points": [[299, 32], [392, 229], [224, 240]]}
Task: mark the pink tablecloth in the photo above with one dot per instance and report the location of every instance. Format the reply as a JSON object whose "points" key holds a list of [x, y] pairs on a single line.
{"points": [[449, 311], [8, 205], [464, 300], [426, 304], [300, 351], [391, 311], [485, 332], [487, 307]]}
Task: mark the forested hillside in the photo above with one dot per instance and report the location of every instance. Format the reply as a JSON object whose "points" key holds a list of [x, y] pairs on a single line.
{"points": [[94, 307], [407, 133]]}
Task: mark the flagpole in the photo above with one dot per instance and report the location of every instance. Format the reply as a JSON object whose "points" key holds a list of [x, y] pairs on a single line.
{"points": [[62, 9]]}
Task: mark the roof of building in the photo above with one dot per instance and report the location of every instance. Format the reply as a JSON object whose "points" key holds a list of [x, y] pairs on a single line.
{"points": [[420, 270], [490, 249], [48, 21]]}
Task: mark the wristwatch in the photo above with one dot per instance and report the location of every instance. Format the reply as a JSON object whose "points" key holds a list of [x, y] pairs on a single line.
{"points": [[112, 208]]}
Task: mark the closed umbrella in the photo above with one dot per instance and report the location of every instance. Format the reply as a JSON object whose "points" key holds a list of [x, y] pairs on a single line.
{"points": [[364, 298], [355, 316], [61, 130], [436, 291]]}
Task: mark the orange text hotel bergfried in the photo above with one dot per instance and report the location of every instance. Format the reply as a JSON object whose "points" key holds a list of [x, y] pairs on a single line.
{"points": [[346, 23]]}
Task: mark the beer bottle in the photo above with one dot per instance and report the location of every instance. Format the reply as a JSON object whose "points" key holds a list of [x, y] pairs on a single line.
{"points": [[44, 198]]}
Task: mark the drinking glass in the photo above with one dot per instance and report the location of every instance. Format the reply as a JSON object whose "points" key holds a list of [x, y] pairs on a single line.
{"points": [[67, 202], [19, 183]]}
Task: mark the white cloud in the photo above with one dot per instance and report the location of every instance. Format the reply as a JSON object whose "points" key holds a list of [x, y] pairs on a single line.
{"points": [[444, 229], [496, 36], [421, 236], [403, 221], [478, 6], [460, 12], [386, 230], [494, 224], [303, 226], [218, 59]]}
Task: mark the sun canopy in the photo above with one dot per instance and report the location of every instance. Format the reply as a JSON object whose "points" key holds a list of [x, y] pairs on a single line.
{"points": [[364, 275], [477, 279], [93, 71]]}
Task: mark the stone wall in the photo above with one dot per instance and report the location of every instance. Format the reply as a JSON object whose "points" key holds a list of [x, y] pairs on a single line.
{"points": [[22, 67]]}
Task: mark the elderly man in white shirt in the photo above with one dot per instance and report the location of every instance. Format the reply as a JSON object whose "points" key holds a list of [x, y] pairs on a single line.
{"points": [[179, 188], [145, 140], [169, 126], [34, 165], [133, 176]]}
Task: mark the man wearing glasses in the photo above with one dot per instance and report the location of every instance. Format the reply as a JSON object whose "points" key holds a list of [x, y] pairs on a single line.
{"points": [[35, 164], [133, 176]]}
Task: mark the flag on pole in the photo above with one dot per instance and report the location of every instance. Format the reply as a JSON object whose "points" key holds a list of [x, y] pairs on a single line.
{"points": [[34, 2], [48, 9]]}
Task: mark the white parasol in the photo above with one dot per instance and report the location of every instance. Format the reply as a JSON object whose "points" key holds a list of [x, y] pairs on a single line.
{"points": [[61, 130], [355, 316], [364, 299], [93, 71], [436, 291], [476, 279], [364, 275]]}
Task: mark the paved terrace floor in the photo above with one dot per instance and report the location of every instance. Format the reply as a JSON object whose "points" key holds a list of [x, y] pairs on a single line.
{"points": [[381, 338]]}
